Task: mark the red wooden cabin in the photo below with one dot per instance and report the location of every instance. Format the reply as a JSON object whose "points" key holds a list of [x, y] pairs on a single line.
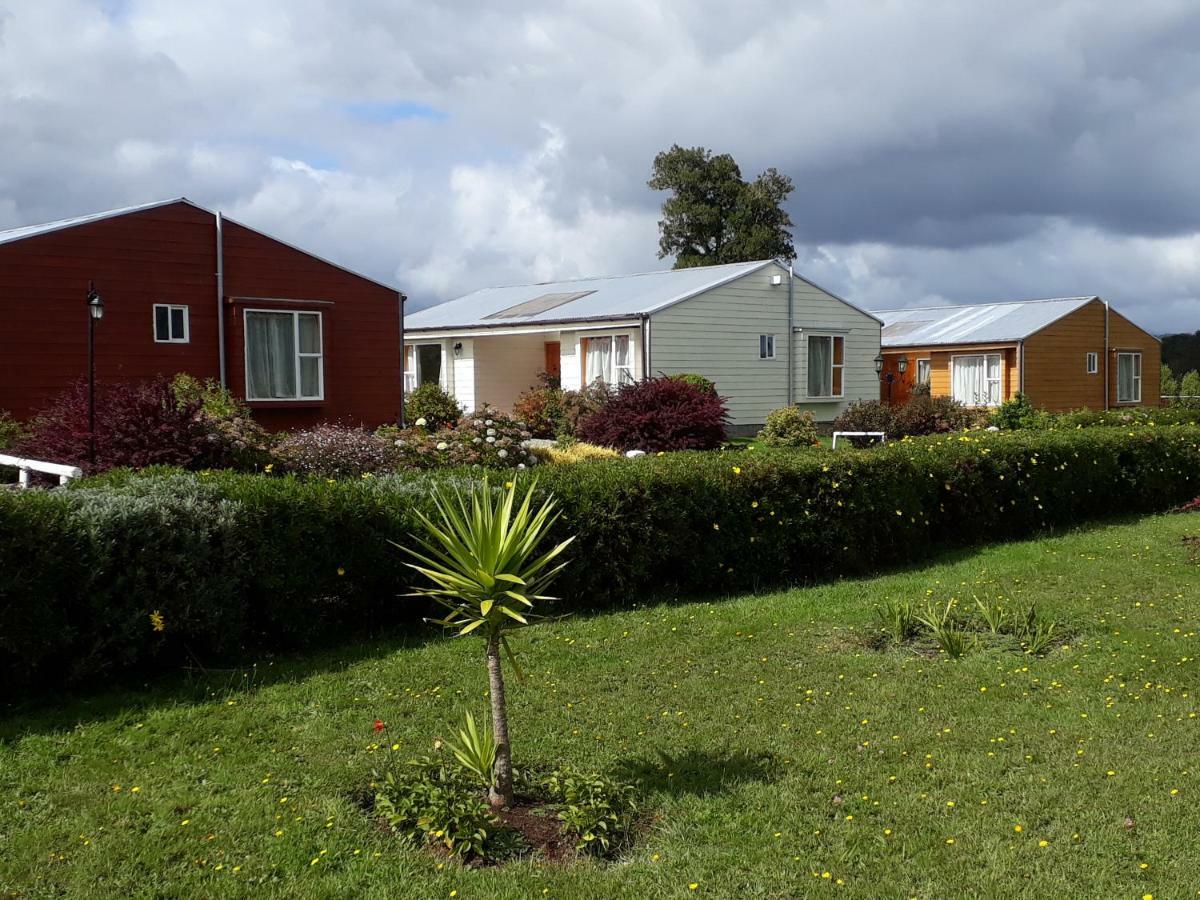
{"points": [[302, 340]]}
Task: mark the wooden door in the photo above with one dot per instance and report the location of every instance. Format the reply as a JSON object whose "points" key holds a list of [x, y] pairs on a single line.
{"points": [[554, 359]]}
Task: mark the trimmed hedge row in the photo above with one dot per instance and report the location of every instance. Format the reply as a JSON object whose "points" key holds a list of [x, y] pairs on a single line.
{"points": [[237, 565]]}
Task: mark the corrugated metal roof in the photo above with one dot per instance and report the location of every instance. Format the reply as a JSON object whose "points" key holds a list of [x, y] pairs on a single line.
{"points": [[610, 297], [27, 231], [979, 323]]}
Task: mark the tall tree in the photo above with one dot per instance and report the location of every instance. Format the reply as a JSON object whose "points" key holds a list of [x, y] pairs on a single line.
{"points": [[713, 215]]}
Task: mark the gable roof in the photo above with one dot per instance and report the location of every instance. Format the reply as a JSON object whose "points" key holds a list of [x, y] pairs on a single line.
{"points": [[12, 235], [28, 231], [978, 323], [578, 300]]}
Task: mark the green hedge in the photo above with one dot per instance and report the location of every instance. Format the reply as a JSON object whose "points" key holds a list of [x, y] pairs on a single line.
{"points": [[238, 565]]}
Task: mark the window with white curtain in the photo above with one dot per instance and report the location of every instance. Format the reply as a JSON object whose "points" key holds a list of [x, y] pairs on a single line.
{"points": [[1129, 378], [826, 360], [923, 371], [284, 357], [977, 380], [608, 358]]}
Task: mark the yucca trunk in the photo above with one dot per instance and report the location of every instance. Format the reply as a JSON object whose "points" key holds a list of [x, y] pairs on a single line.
{"points": [[501, 793]]}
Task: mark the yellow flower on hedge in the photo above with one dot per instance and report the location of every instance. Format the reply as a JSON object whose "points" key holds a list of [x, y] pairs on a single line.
{"points": [[737, 470], [341, 571], [157, 622]]}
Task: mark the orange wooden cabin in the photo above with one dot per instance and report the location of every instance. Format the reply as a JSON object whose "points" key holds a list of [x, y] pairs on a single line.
{"points": [[1062, 353]]}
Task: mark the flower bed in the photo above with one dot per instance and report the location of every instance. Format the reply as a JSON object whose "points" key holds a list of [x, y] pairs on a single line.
{"points": [[241, 564]]}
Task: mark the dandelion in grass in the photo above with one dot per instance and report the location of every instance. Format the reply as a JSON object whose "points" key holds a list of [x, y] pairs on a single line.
{"points": [[157, 622]]}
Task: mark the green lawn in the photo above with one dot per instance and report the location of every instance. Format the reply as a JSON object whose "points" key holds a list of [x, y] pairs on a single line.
{"points": [[804, 763]]}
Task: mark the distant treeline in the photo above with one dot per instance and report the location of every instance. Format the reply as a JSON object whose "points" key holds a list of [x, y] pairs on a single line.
{"points": [[1181, 352]]}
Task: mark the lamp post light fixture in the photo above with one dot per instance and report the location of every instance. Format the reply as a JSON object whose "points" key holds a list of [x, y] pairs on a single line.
{"points": [[95, 306], [890, 377]]}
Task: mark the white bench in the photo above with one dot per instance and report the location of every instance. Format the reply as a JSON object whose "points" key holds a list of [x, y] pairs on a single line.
{"points": [[25, 466], [859, 434]]}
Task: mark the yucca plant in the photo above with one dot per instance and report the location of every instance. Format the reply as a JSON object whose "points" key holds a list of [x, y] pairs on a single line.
{"points": [[476, 750], [488, 571]]}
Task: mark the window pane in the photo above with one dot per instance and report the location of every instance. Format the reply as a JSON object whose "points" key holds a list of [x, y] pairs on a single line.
{"points": [[177, 330], [837, 382], [922, 371], [839, 350], [820, 367], [429, 359], [599, 359], [310, 376], [966, 383], [622, 350], [310, 334], [1124, 378], [162, 327], [270, 356]]}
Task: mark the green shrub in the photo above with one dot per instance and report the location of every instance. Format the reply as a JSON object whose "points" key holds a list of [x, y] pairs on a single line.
{"points": [[543, 411], [11, 432], [930, 415], [247, 445], [697, 381], [579, 405], [598, 811], [1168, 384], [482, 439], [789, 426], [281, 562], [867, 415], [430, 402], [1016, 413], [1189, 390]]}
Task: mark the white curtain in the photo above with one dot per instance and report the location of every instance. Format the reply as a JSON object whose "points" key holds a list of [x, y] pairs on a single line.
{"points": [[270, 356], [966, 380], [994, 391], [820, 367], [599, 359], [1126, 390], [624, 360]]}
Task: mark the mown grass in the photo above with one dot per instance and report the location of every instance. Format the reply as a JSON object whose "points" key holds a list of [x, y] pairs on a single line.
{"points": [[798, 761]]}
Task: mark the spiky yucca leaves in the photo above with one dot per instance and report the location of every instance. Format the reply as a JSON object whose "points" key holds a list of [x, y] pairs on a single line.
{"points": [[483, 558]]}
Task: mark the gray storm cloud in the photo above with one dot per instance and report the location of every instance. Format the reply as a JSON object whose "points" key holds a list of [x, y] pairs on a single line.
{"points": [[941, 152]]}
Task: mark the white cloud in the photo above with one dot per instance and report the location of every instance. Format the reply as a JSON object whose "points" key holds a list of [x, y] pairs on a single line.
{"points": [[956, 151]]}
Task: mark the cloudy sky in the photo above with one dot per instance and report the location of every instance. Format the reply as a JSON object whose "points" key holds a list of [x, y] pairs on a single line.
{"points": [[942, 151]]}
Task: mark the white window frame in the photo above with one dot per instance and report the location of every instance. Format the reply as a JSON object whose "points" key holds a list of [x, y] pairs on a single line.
{"points": [[766, 346], [412, 373], [613, 376], [1136, 358], [999, 379], [833, 366], [171, 339], [927, 365], [1092, 363], [319, 356]]}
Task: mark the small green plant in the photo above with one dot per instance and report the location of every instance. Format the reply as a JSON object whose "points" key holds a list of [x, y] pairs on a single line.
{"points": [[475, 749], [431, 800], [1035, 632], [898, 620], [994, 616], [11, 431], [598, 811], [1017, 413], [951, 637], [697, 381]]}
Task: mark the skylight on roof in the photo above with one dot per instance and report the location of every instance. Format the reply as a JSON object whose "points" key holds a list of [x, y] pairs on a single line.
{"points": [[537, 305]]}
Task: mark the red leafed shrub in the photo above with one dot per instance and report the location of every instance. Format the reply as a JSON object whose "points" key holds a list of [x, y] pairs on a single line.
{"points": [[138, 424], [658, 414]]}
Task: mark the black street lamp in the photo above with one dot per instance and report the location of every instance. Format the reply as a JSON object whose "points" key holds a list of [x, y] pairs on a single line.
{"points": [[95, 314], [890, 377]]}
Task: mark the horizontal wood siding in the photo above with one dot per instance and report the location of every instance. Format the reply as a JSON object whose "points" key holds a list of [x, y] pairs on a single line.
{"points": [[939, 369], [361, 330], [1056, 376], [168, 255], [716, 334], [1123, 336], [161, 255]]}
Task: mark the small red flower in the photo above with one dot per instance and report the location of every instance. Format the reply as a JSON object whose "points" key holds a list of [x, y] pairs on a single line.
{"points": [[378, 725]]}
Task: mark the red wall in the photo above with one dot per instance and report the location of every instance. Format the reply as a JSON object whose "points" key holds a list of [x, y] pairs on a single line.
{"points": [[168, 255]]}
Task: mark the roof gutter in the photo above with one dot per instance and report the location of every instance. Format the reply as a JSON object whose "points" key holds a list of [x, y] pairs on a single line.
{"points": [[220, 299]]}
